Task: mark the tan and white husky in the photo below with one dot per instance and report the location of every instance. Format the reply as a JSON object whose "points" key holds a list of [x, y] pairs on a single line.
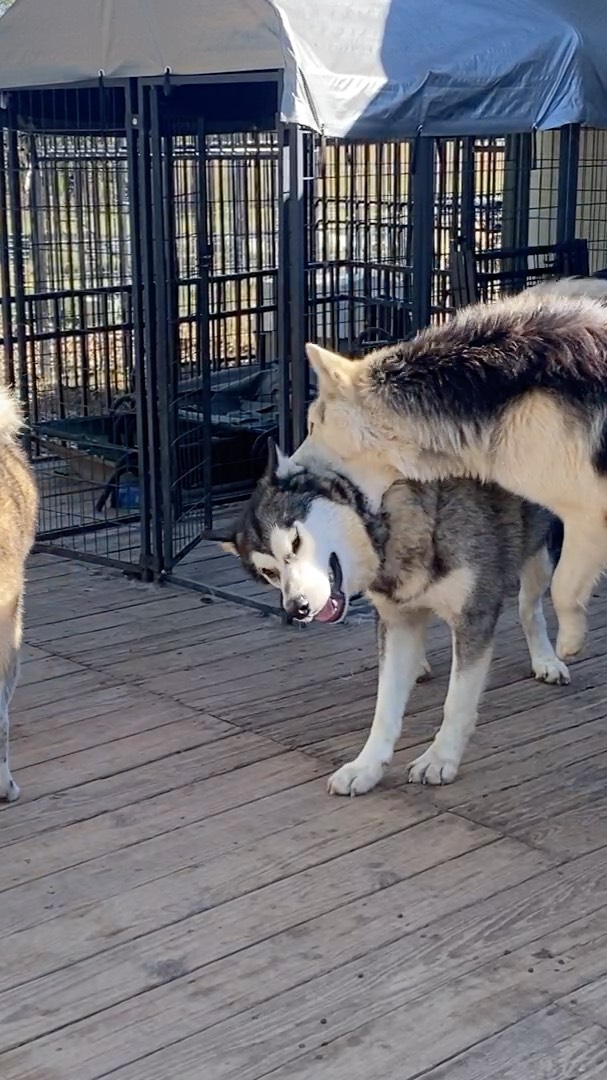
{"points": [[513, 393]]}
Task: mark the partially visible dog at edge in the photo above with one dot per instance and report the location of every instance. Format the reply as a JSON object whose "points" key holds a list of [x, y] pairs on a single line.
{"points": [[453, 548], [513, 393], [18, 515]]}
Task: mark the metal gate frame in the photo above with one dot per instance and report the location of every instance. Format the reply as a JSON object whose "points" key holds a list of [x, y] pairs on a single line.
{"points": [[160, 281], [20, 332]]}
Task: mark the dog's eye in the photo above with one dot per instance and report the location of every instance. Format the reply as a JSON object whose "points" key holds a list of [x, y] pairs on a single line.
{"points": [[271, 575], [295, 546]]}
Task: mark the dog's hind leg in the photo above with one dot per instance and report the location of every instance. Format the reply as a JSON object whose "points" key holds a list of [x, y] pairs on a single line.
{"points": [[583, 559], [472, 650], [535, 580], [10, 642], [401, 651]]}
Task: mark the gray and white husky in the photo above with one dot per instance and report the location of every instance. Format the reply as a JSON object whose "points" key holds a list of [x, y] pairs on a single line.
{"points": [[453, 548]]}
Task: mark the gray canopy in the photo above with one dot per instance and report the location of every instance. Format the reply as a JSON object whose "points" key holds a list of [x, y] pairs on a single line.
{"points": [[364, 68]]}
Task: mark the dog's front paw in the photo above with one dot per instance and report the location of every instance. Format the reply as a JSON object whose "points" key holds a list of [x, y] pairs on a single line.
{"points": [[355, 778], [550, 669], [9, 792], [432, 768]]}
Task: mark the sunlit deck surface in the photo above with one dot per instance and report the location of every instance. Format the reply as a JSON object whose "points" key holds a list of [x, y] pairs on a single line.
{"points": [[180, 898]]}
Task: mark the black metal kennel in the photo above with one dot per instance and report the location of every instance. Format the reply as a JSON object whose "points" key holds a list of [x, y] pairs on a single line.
{"points": [[168, 244], [139, 247]]}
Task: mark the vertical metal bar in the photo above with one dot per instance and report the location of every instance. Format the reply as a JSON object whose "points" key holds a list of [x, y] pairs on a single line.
{"points": [[164, 332], [516, 200], [350, 252], [14, 181], [146, 164], [423, 231], [59, 370], [517, 186], [260, 338], [524, 165], [569, 156], [5, 272], [321, 218], [285, 435], [83, 358], [468, 194], [297, 284], [172, 478], [202, 320], [510, 191], [336, 269], [137, 232]]}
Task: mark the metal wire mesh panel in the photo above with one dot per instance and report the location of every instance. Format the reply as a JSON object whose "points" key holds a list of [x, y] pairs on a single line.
{"points": [[510, 270], [469, 183], [67, 333], [360, 224], [243, 205], [358, 243], [591, 208], [531, 211], [544, 181], [216, 209]]}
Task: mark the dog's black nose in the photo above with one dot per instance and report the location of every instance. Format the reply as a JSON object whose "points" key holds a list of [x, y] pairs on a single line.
{"points": [[297, 609]]}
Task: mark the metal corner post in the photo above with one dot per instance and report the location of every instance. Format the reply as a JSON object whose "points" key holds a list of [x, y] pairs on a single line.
{"points": [[423, 231], [293, 288], [569, 157], [150, 340], [285, 435], [132, 119], [164, 277], [518, 166]]}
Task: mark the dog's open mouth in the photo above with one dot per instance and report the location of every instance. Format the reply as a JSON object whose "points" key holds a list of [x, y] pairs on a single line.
{"points": [[335, 606]]}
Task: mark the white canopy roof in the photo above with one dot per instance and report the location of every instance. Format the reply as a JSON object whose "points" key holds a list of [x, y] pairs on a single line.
{"points": [[372, 69]]}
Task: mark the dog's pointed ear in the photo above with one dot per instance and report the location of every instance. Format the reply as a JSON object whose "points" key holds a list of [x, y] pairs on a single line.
{"points": [[279, 464], [272, 465], [335, 373], [284, 466]]}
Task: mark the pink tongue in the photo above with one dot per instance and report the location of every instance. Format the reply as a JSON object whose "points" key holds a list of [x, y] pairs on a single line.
{"points": [[328, 612]]}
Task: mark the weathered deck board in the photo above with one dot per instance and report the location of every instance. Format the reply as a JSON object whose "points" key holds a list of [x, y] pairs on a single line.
{"points": [[450, 983], [180, 897], [194, 945], [550, 1043], [122, 789]]}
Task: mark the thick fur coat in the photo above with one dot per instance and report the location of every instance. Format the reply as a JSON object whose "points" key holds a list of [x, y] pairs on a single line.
{"points": [[513, 393]]}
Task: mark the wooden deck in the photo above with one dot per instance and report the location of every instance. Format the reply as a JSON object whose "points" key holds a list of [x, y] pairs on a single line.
{"points": [[181, 899]]}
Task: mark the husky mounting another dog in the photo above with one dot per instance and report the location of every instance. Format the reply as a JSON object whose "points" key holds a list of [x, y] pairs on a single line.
{"points": [[454, 548], [18, 513], [512, 393]]}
